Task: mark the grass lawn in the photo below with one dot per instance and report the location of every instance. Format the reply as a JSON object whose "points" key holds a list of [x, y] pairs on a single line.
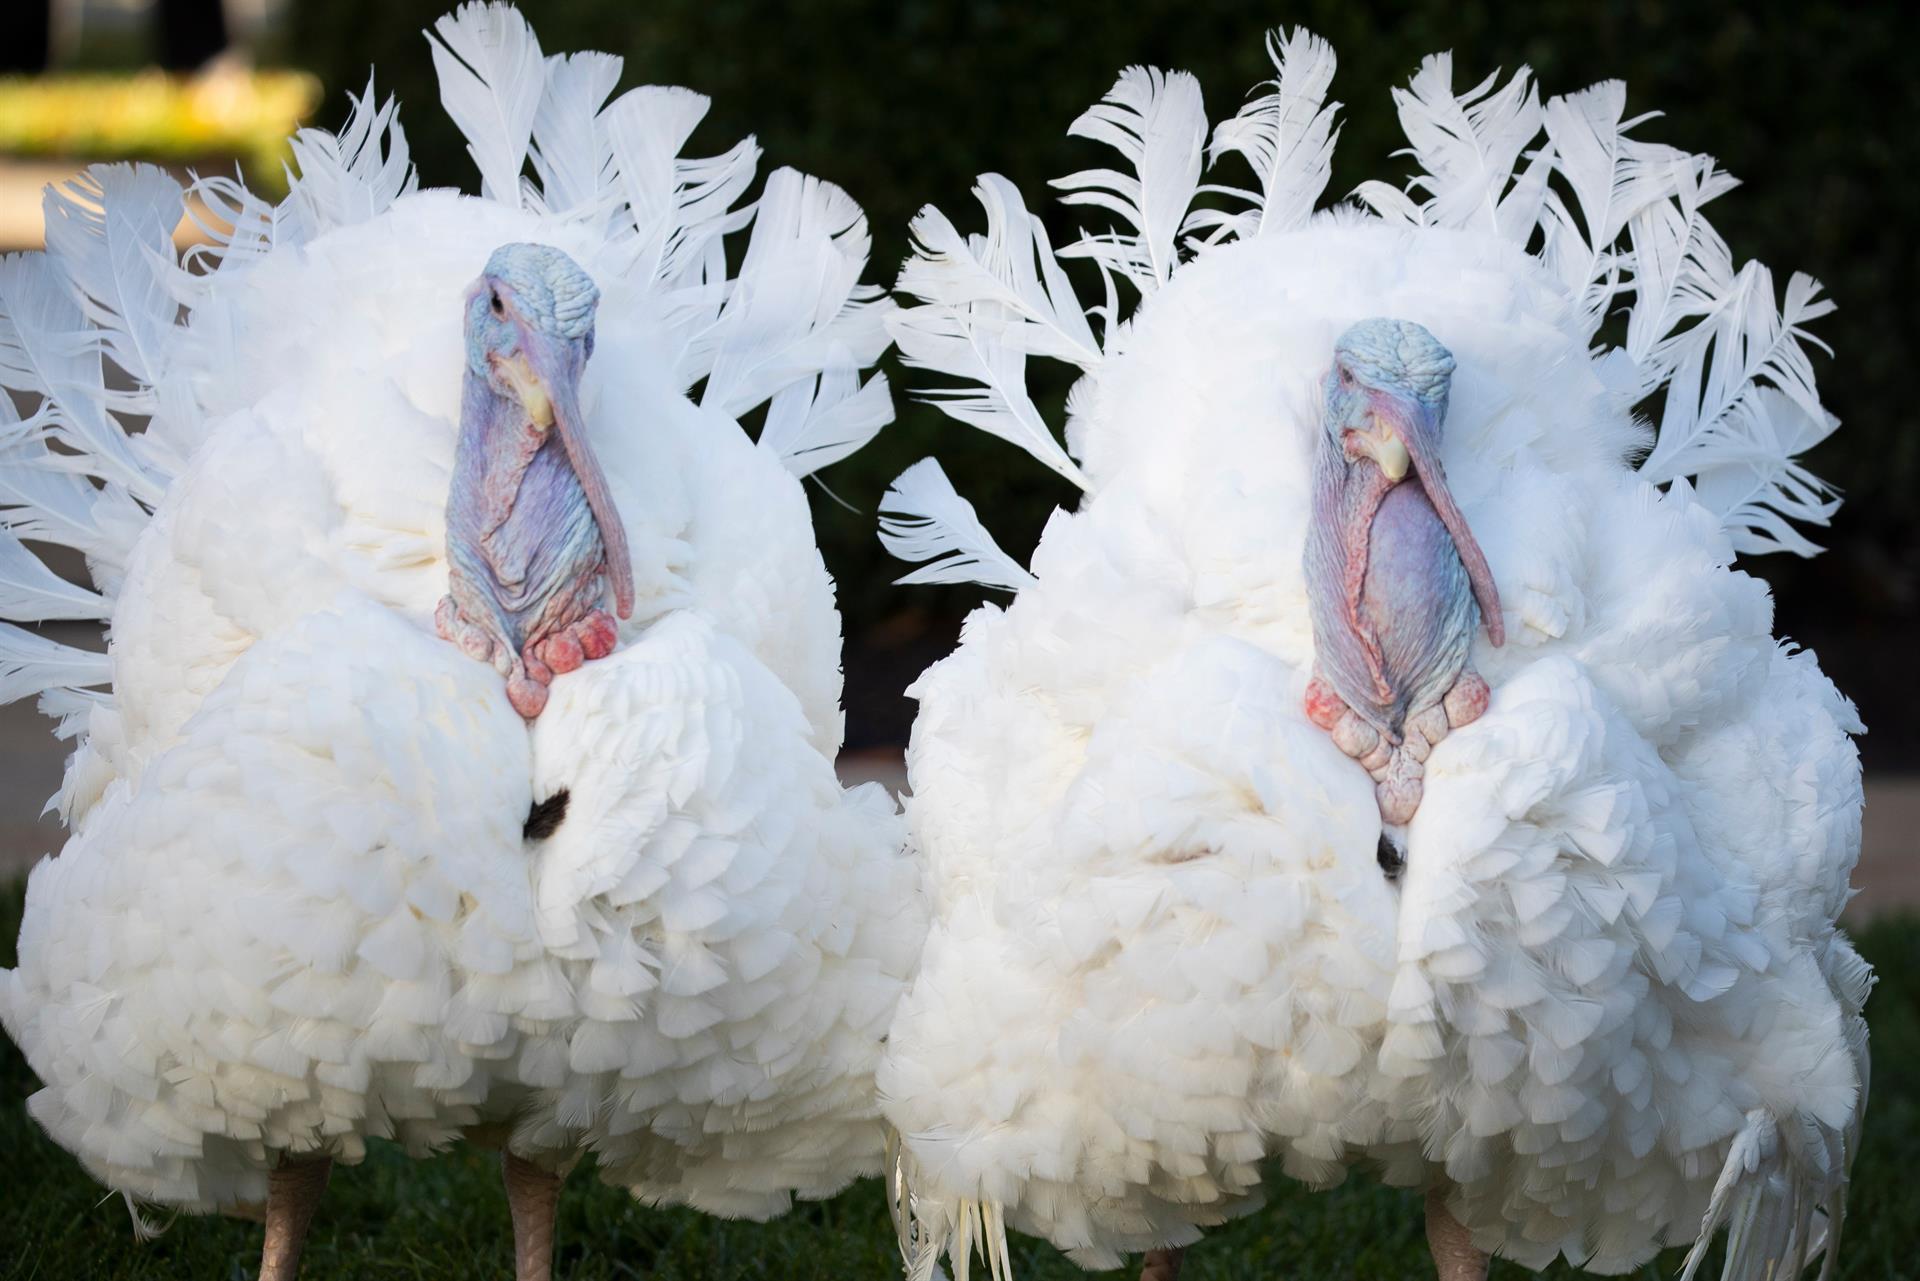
{"points": [[447, 1218]]}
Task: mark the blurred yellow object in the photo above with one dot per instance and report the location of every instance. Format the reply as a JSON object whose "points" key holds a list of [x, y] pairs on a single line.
{"points": [[220, 114]]}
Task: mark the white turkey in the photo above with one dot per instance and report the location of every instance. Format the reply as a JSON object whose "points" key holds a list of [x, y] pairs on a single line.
{"points": [[333, 877], [1545, 925]]}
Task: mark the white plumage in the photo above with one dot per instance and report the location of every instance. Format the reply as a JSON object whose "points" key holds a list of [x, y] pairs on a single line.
{"points": [[1606, 1008], [297, 910]]}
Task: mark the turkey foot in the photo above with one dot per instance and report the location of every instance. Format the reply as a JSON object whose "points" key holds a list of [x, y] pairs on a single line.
{"points": [[293, 1194], [533, 1194]]}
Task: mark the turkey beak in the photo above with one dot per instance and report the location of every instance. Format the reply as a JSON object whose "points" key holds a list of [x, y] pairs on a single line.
{"points": [[1417, 429], [1384, 445], [545, 376]]}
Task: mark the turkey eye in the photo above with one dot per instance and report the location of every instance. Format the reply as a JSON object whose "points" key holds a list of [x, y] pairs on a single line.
{"points": [[1346, 379], [499, 308]]}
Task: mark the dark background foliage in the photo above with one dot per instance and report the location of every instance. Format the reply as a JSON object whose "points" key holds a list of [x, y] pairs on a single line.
{"points": [[903, 102]]}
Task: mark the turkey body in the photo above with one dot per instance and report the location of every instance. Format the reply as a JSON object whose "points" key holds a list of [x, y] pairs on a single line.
{"points": [[1162, 950], [298, 909]]}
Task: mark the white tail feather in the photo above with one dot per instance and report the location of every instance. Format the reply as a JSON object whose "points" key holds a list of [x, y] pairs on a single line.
{"points": [[111, 231], [50, 353], [1740, 404], [679, 206], [990, 302], [1680, 265], [1287, 136], [923, 519], [42, 500], [797, 298], [350, 177], [815, 423], [31, 664], [572, 149], [1156, 121], [232, 222], [1613, 178], [72, 709], [997, 403], [1467, 144], [1009, 276], [336, 180], [32, 593], [492, 77], [1390, 203]]}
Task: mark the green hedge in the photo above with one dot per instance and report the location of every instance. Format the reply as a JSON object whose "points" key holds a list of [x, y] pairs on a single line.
{"points": [[902, 103]]}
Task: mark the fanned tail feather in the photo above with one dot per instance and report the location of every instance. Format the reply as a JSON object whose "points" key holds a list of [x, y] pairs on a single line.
{"points": [[1008, 282], [1156, 121], [50, 348], [1741, 404], [32, 664], [111, 231], [335, 180], [572, 147], [1287, 136], [352, 176], [31, 592], [923, 518], [492, 77], [1614, 179], [990, 301], [1467, 144], [62, 314], [798, 298], [817, 422], [231, 222], [679, 206]]}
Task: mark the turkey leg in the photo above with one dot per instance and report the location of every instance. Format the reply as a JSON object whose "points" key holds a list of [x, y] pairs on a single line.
{"points": [[533, 1195], [1454, 1256], [293, 1194], [1162, 1265]]}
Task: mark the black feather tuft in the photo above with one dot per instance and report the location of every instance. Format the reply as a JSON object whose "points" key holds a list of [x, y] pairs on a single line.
{"points": [[1393, 860], [546, 816]]}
